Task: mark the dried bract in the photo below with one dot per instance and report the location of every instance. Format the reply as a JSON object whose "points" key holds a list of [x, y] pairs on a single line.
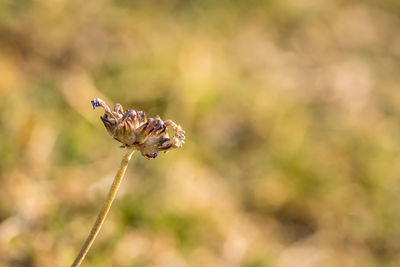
{"points": [[134, 129]]}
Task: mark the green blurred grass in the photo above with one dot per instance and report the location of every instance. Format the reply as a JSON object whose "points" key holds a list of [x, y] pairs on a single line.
{"points": [[291, 110]]}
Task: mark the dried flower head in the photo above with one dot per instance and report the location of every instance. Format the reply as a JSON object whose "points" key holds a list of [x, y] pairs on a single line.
{"points": [[134, 129]]}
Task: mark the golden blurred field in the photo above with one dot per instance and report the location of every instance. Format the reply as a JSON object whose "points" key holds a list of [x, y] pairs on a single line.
{"points": [[292, 115]]}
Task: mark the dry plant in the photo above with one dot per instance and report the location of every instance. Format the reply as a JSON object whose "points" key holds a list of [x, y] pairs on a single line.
{"points": [[136, 132]]}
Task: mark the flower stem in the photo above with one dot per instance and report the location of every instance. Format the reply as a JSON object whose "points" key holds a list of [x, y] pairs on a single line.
{"points": [[106, 207]]}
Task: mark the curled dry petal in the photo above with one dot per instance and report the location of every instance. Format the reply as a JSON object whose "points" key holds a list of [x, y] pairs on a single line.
{"points": [[134, 129]]}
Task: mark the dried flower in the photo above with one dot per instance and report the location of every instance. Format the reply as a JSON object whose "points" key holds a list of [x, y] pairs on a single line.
{"points": [[134, 129]]}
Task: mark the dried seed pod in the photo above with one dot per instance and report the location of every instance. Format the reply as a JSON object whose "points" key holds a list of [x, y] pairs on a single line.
{"points": [[134, 129]]}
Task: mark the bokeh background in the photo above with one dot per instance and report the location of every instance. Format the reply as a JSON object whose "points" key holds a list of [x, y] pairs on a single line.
{"points": [[292, 115]]}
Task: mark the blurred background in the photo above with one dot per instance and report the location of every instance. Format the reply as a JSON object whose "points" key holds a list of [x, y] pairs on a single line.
{"points": [[292, 115]]}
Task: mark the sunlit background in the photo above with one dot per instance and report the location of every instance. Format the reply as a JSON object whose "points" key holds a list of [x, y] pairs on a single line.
{"points": [[292, 115]]}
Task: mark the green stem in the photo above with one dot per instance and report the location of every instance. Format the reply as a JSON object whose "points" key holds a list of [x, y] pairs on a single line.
{"points": [[106, 207]]}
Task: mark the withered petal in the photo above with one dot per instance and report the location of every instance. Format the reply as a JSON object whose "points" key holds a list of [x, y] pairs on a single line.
{"points": [[134, 129]]}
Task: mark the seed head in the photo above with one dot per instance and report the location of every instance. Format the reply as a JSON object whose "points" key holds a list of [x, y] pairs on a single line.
{"points": [[134, 129]]}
